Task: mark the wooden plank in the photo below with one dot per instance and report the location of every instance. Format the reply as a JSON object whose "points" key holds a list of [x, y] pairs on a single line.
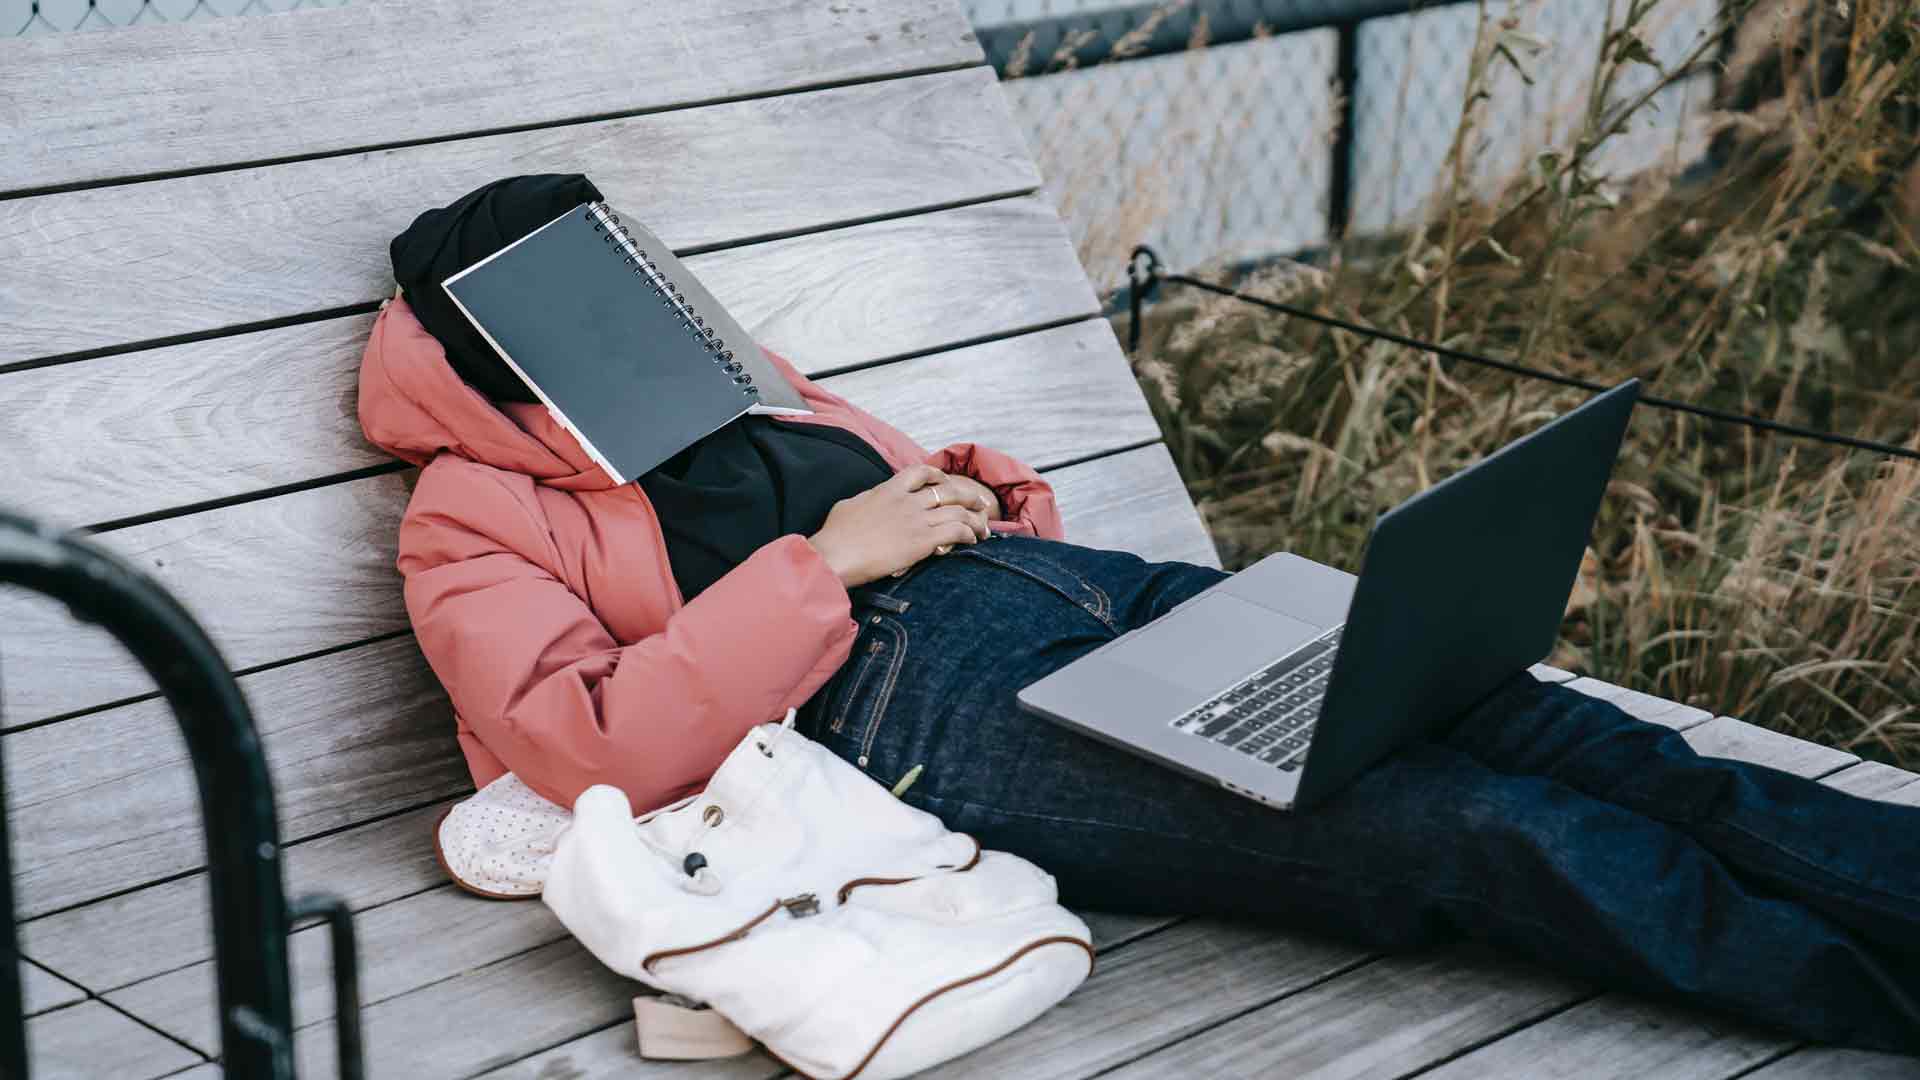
{"points": [[1730, 738], [116, 437], [1643, 706], [1547, 673], [1388, 1018], [107, 800], [90, 1040], [294, 574], [44, 991], [1872, 780], [405, 945], [124, 435], [165, 98], [1831, 1063], [163, 927], [1053, 394], [1111, 930], [314, 235], [1617, 1038], [1134, 502], [1153, 993], [482, 1020], [611, 1054], [1103, 498]]}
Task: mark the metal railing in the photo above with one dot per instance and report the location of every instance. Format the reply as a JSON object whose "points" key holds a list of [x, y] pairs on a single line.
{"points": [[251, 914]]}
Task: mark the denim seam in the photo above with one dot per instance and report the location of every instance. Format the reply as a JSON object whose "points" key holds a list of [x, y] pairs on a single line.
{"points": [[1102, 611], [839, 715], [1853, 882], [879, 708]]}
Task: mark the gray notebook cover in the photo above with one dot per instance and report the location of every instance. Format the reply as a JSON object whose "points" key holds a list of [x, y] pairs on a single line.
{"points": [[777, 395], [615, 362]]}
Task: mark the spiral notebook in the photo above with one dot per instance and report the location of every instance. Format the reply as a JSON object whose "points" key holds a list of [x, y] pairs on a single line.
{"points": [[630, 353]]}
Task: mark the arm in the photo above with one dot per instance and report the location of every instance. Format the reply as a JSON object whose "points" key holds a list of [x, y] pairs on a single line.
{"points": [[549, 691], [1026, 500]]}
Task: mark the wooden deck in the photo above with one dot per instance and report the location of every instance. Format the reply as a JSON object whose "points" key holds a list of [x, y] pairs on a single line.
{"points": [[194, 228]]}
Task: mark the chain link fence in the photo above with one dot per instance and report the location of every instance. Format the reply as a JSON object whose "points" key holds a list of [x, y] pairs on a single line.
{"points": [[1233, 149]]}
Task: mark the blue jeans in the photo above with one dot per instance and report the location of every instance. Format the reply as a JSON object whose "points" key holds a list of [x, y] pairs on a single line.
{"points": [[1545, 821]]}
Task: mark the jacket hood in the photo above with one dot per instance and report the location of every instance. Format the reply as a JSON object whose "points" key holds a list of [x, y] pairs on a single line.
{"points": [[414, 405]]}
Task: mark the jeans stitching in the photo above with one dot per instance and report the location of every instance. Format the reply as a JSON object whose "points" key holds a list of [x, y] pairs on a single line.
{"points": [[1819, 869], [1101, 611], [878, 710], [839, 715]]}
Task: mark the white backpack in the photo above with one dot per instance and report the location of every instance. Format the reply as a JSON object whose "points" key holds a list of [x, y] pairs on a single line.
{"points": [[848, 932]]}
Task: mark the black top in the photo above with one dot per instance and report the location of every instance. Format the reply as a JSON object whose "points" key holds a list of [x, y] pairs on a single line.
{"points": [[751, 482]]}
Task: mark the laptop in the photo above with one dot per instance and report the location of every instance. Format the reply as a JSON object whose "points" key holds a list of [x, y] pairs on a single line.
{"points": [[1288, 679]]}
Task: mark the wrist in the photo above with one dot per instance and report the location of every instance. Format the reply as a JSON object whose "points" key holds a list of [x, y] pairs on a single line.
{"points": [[830, 555]]}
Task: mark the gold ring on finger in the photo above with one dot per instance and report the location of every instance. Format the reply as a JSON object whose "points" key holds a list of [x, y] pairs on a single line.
{"points": [[938, 499], [943, 549]]}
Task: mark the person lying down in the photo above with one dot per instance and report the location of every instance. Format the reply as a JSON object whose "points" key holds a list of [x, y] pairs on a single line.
{"points": [[898, 598]]}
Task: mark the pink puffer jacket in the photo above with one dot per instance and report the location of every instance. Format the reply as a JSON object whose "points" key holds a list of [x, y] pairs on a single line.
{"points": [[540, 593]]}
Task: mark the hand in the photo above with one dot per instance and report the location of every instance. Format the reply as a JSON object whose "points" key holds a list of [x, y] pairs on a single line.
{"points": [[894, 524], [965, 489]]}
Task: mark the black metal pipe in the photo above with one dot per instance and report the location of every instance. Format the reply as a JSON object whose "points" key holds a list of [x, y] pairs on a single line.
{"points": [[1346, 74], [1228, 21], [250, 917], [13, 1009]]}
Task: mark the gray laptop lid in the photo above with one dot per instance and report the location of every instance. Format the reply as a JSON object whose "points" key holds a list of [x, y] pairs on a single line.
{"points": [[1463, 586]]}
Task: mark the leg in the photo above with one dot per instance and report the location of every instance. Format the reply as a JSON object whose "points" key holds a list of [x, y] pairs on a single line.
{"points": [[1855, 860], [1429, 846]]}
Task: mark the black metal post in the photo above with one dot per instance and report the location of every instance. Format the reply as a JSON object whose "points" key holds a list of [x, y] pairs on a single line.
{"points": [[13, 1010], [1346, 75], [250, 915]]}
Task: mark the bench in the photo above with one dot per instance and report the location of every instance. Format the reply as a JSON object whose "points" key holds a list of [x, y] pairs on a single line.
{"points": [[194, 222]]}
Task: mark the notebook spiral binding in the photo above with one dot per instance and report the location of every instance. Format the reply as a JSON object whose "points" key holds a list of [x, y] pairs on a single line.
{"points": [[607, 222]]}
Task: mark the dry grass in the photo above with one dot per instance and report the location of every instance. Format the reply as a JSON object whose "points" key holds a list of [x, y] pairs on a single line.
{"points": [[1762, 576]]}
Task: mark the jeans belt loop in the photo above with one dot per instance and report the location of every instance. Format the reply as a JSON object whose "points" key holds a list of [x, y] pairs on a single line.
{"points": [[890, 604]]}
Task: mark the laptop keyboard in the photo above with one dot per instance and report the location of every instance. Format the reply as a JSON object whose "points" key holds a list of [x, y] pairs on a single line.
{"points": [[1270, 714]]}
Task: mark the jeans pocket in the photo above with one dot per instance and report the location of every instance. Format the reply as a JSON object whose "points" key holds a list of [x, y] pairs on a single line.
{"points": [[1056, 577], [863, 703]]}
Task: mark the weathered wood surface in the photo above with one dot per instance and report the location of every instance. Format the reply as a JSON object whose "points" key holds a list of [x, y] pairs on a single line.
{"points": [[1643, 705], [44, 991], [1873, 780], [201, 253], [1386, 1018], [484, 1019], [169, 98], [1614, 1038], [1828, 1063], [289, 575], [117, 436], [1728, 737], [163, 927], [404, 945], [107, 800], [114, 437], [1153, 993], [90, 1041], [613, 1054]]}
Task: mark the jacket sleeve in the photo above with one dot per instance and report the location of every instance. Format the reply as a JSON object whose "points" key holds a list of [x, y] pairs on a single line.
{"points": [[546, 688], [1026, 501]]}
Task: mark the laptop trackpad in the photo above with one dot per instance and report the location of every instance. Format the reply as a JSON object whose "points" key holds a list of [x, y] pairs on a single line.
{"points": [[1212, 643]]}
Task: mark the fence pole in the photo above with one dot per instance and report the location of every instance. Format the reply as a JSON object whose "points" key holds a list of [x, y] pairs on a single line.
{"points": [[1346, 75]]}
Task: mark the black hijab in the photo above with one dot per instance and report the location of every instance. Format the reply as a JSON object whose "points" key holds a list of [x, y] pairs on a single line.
{"points": [[719, 500], [441, 243]]}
